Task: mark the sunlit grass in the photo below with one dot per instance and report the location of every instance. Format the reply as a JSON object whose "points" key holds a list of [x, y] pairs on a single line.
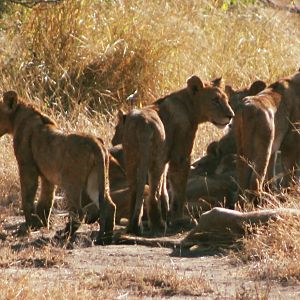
{"points": [[79, 60], [132, 283], [272, 252], [99, 52]]}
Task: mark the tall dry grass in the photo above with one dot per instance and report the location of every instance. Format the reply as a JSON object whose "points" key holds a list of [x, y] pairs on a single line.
{"points": [[99, 52], [79, 60], [78, 57], [273, 251]]}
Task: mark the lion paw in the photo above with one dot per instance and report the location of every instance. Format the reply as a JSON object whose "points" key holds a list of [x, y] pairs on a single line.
{"points": [[104, 239]]}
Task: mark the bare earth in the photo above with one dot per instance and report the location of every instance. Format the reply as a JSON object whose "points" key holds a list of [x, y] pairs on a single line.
{"points": [[217, 274]]}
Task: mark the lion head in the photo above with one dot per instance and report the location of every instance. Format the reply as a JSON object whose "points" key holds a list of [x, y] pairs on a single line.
{"points": [[210, 103], [117, 138], [7, 108], [236, 96]]}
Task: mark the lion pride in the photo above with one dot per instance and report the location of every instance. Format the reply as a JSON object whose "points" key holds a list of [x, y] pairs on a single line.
{"points": [[77, 163], [264, 124], [161, 135]]}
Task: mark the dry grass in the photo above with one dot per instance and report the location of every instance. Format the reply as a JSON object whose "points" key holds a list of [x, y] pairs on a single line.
{"points": [[99, 52], [79, 60], [76, 57], [273, 251], [29, 257], [108, 284]]}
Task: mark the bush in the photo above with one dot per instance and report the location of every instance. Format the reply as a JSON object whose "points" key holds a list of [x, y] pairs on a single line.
{"points": [[99, 52]]}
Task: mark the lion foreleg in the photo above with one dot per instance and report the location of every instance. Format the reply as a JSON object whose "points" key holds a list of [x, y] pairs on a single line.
{"points": [[178, 174], [29, 185], [271, 183]]}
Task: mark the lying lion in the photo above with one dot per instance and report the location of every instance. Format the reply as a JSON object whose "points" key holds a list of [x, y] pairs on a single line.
{"points": [[264, 124], [77, 163], [163, 133]]}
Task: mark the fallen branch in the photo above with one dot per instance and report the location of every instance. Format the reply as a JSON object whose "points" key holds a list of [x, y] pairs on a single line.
{"points": [[221, 224]]}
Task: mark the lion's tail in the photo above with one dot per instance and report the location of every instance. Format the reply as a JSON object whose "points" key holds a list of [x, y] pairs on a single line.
{"points": [[141, 174], [106, 205]]}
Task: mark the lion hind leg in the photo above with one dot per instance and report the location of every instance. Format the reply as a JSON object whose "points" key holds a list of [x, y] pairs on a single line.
{"points": [[290, 158], [154, 204], [73, 198], [45, 203], [137, 171], [261, 158], [92, 187], [136, 188]]}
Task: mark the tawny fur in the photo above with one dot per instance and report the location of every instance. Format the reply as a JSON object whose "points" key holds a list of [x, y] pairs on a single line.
{"points": [[264, 124], [213, 177], [76, 162], [163, 133]]}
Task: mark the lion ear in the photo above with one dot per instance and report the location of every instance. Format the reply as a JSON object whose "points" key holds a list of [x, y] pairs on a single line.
{"points": [[228, 89], [218, 82], [121, 116], [256, 87], [194, 84], [10, 99]]}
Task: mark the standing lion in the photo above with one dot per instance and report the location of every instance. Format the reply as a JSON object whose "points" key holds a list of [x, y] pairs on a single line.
{"points": [[76, 162], [163, 134], [264, 124]]}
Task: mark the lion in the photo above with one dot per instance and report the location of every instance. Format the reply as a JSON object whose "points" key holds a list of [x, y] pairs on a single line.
{"points": [[264, 124], [118, 190], [212, 178], [161, 136], [205, 192], [236, 95], [216, 150], [76, 162]]}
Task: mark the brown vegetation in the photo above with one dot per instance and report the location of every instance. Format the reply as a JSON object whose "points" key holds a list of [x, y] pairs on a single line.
{"points": [[77, 61]]}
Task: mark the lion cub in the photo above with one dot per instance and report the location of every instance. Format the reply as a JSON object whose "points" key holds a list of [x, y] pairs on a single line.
{"points": [[264, 124], [162, 135], [76, 162]]}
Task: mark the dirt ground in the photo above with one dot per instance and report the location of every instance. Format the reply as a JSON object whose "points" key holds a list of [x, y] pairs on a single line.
{"points": [[211, 274]]}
